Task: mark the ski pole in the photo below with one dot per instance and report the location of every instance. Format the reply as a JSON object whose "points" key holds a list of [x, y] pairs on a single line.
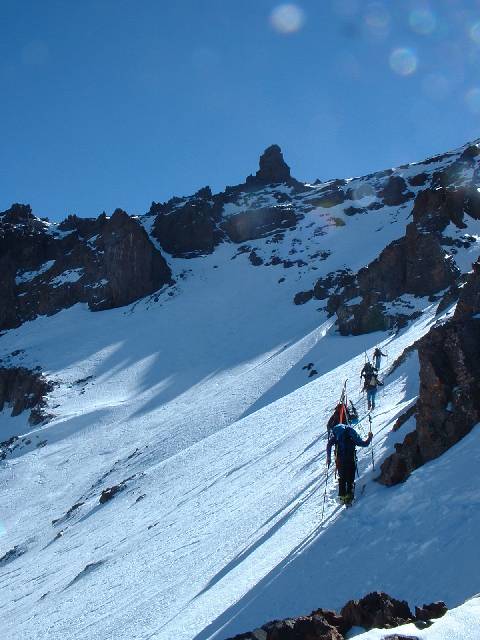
{"points": [[325, 492], [371, 442]]}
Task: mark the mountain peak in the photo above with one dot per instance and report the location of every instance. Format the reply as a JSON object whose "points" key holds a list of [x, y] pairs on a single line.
{"points": [[272, 167]]}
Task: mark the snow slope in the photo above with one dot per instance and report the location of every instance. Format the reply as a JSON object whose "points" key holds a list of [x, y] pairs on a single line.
{"points": [[196, 403], [460, 623]]}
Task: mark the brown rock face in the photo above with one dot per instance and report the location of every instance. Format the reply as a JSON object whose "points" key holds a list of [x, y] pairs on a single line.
{"points": [[430, 611], [103, 262], [395, 192], [376, 609], [449, 400], [255, 223], [24, 390], [416, 264], [190, 229], [132, 265]]}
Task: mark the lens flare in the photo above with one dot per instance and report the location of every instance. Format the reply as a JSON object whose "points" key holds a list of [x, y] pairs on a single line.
{"points": [[475, 33], [377, 20], [377, 16], [403, 61], [472, 98], [422, 21], [363, 191], [287, 18]]}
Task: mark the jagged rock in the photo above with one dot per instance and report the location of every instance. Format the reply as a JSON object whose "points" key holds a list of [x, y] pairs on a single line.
{"points": [[132, 265], [375, 610], [472, 151], [415, 264], [419, 180], [256, 223], [335, 281], [22, 390], [430, 611], [191, 229], [404, 417], [12, 554], [18, 214], [395, 192], [108, 493], [378, 610], [428, 270], [314, 627], [302, 297], [255, 259], [448, 405], [102, 262], [273, 168]]}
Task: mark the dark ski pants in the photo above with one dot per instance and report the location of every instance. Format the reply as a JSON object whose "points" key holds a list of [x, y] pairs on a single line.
{"points": [[371, 393], [346, 477]]}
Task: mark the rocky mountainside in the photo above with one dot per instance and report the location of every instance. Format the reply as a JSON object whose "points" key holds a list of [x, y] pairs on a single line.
{"points": [[165, 380], [276, 222]]}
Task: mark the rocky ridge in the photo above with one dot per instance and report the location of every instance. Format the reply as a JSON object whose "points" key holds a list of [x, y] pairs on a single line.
{"points": [[448, 405], [375, 610]]}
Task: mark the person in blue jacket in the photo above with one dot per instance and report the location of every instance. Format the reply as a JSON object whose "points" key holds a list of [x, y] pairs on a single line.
{"points": [[345, 439]]}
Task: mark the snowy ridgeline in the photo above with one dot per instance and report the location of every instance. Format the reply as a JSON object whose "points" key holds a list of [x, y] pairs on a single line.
{"points": [[177, 492]]}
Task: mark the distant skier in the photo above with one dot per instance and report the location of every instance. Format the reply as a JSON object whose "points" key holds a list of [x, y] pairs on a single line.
{"points": [[377, 358], [370, 385], [345, 439], [368, 369]]}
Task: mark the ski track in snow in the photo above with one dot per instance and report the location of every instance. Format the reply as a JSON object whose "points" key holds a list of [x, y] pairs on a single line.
{"points": [[199, 405]]}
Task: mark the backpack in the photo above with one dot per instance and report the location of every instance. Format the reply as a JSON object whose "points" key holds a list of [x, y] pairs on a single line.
{"points": [[344, 445], [352, 414]]}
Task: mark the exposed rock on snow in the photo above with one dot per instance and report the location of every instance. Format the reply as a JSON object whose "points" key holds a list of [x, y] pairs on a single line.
{"points": [[416, 264], [106, 262], [395, 192], [190, 229], [375, 610], [250, 225], [22, 389], [449, 401]]}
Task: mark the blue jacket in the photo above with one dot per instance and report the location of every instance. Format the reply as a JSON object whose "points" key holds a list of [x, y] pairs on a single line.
{"points": [[346, 438]]}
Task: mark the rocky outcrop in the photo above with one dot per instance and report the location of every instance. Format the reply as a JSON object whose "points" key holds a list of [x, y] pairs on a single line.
{"points": [[104, 262], [448, 405], [416, 264], [256, 223], [375, 610], [272, 169], [378, 610], [131, 265], [190, 228], [24, 390], [395, 192]]}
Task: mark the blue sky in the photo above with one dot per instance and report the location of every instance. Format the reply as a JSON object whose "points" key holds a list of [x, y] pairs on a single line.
{"points": [[115, 103]]}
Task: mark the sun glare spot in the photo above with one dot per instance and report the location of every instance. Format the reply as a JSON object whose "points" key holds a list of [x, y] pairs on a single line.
{"points": [[403, 61], [287, 18]]}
